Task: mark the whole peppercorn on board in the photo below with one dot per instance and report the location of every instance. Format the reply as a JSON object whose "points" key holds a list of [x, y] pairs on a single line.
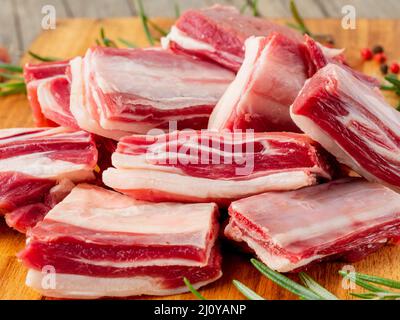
{"points": [[73, 37]]}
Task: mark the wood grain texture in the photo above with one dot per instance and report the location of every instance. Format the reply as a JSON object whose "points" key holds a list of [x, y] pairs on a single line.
{"points": [[73, 37]]}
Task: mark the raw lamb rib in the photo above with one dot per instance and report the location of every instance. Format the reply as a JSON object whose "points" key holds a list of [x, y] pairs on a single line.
{"points": [[115, 92], [273, 73], [218, 34], [102, 243], [48, 93], [190, 166], [38, 167], [353, 122], [344, 219]]}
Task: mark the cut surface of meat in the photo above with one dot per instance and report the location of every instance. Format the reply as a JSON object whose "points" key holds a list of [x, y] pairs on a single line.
{"points": [[345, 219], [54, 99], [353, 122], [270, 78], [221, 166], [96, 238], [111, 95], [218, 34], [38, 167], [34, 75]]}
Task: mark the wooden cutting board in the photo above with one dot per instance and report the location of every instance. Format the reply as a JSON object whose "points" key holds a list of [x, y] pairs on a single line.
{"points": [[73, 37]]}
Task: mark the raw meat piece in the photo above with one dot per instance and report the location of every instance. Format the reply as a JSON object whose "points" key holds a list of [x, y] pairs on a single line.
{"points": [[190, 166], [54, 99], [102, 243], [34, 75], [353, 122], [344, 219], [38, 168], [319, 59], [218, 34], [273, 73], [115, 92]]}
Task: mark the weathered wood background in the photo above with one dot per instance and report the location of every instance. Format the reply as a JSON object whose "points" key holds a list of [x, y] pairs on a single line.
{"points": [[20, 20]]}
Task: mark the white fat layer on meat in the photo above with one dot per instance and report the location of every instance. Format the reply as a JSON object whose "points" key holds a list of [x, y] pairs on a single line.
{"points": [[275, 262], [148, 263], [79, 104], [178, 83], [46, 98], [235, 92], [41, 166], [102, 210], [321, 215], [191, 44], [85, 287], [126, 180]]}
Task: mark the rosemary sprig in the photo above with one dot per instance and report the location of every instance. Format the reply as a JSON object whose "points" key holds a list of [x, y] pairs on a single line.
{"points": [[377, 296], [11, 68], [9, 88], [253, 6], [42, 58], [177, 9], [246, 291], [145, 21], [193, 290], [301, 26], [316, 287], [127, 43], [156, 27], [363, 284], [285, 282], [11, 76], [373, 279], [104, 40]]}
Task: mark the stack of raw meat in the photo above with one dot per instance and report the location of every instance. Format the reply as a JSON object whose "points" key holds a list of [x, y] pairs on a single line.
{"points": [[271, 117]]}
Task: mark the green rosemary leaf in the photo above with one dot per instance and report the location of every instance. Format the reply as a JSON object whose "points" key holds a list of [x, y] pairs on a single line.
{"points": [[10, 88], [11, 68], [297, 17], [192, 289], [144, 20], [106, 42], [387, 88], [316, 287], [363, 284], [294, 26], [377, 296], [246, 291], [158, 28], [42, 58], [127, 43], [11, 85], [394, 81], [285, 282], [11, 76], [254, 7], [177, 9], [378, 280]]}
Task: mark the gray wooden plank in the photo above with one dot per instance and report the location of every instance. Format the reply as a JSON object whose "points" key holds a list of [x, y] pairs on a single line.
{"points": [[99, 8], [364, 8], [30, 17], [268, 8], [10, 33]]}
